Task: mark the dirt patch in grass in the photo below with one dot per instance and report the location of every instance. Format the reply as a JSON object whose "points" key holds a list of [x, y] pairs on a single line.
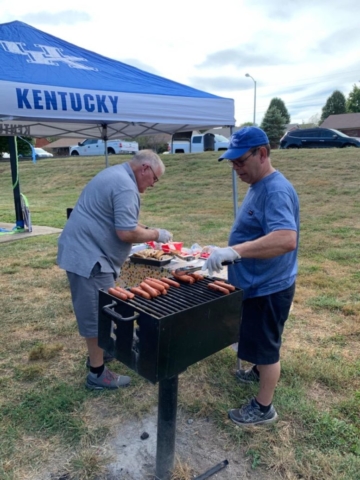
{"points": [[323, 396], [199, 447]]}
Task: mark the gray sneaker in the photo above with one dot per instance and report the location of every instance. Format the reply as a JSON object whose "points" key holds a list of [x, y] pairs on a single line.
{"points": [[251, 414], [107, 379], [247, 376]]}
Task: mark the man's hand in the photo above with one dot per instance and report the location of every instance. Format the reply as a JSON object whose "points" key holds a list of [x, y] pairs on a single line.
{"points": [[217, 257], [164, 235]]}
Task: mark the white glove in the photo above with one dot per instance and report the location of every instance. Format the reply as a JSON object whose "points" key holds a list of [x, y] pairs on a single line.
{"points": [[217, 257], [164, 236]]}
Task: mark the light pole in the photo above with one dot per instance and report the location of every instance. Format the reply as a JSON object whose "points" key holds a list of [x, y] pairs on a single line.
{"points": [[247, 75]]}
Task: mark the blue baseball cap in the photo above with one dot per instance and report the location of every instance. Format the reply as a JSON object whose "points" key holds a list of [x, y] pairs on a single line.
{"points": [[243, 140]]}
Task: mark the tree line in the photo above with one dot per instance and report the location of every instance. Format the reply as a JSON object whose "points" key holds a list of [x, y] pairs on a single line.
{"points": [[277, 115]]}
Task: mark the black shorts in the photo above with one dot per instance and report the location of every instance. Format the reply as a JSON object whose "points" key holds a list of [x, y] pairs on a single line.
{"points": [[262, 325]]}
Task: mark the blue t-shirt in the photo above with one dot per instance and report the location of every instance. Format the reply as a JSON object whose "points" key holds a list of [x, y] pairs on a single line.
{"points": [[269, 205], [109, 202]]}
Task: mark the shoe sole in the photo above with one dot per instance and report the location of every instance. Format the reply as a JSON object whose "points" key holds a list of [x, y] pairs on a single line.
{"points": [[260, 422]]}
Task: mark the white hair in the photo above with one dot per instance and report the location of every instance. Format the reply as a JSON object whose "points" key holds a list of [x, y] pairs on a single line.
{"points": [[150, 158]]}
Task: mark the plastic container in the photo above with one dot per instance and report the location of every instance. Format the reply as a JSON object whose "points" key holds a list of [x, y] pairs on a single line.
{"points": [[172, 247]]}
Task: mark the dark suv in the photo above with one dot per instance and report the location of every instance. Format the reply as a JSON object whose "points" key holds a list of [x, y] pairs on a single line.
{"points": [[317, 138]]}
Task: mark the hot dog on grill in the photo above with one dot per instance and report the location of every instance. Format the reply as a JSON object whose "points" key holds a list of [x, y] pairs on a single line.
{"points": [[125, 292], [170, 282], [228, 286], [183, 278], [157, 280], [139, 291], [155, 285], [116, 293], [217, 288], [196, 276], [152, 291]]}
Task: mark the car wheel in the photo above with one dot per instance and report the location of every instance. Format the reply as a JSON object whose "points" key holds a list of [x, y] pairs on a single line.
{"points": [[75, 153], [347, 145], [293, 146], [111, 151]]}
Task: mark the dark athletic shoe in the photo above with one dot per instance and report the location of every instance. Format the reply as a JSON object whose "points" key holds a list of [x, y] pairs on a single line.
{"points": [[107, 359], [247, 376], [251, 414], [107, 380]]}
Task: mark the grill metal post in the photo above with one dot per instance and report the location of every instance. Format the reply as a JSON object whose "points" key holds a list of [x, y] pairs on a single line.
{"points": [[166, 430]]}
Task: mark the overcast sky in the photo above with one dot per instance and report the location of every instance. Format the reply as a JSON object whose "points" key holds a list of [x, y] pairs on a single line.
{"points": [[298, 51]]}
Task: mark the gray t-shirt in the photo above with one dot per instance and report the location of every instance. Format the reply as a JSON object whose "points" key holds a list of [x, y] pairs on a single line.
{"points": [[109, 202]]}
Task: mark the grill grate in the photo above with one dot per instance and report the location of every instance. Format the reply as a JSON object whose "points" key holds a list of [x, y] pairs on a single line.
{"points": [[177, 299]]}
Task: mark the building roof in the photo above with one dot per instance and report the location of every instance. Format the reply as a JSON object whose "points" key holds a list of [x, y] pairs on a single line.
{"points": [[64, 142], [341, 121], [41, 142]]}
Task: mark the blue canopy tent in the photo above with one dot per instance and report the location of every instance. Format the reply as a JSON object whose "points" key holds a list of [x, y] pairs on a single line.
{"points": [[49, 87]]}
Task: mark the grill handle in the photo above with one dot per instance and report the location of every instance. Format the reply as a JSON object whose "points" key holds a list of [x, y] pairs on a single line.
{"points": [[107, 310]]}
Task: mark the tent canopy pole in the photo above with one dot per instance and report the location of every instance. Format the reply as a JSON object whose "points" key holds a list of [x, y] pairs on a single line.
{"points": [[15, 182], [104, 136]]}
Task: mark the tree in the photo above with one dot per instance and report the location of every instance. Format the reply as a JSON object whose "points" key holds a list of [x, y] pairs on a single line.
{"points": [[280, 105], [22, 147], [353, 101], [158, 143], [314, 119], [273, 125], [334, 105], [247, 124]]}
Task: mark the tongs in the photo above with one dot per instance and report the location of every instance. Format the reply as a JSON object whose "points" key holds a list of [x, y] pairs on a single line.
{"points": [[191, 269]]}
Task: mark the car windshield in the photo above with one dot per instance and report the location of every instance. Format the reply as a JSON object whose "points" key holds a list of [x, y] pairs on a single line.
{"points": [[221, 138], [341, 134]]}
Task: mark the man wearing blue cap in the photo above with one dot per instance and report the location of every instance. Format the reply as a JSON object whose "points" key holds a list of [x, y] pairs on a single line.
{"points": [[265, 237]]}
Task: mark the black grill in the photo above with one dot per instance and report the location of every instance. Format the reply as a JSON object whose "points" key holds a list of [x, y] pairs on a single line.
{"points": [[170, 332], [160, 338]]}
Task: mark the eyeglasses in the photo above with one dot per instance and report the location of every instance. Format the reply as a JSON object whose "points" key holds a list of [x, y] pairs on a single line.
{"points": [[155, 177], [240, 163]]}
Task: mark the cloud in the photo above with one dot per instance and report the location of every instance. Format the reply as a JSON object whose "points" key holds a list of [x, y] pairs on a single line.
{"points": [[221, 84], [67, 17], [244, 56], [312, 88], [338, 41], [279, 9]]}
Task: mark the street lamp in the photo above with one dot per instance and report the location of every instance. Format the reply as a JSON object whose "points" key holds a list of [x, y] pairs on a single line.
{"points": [[247, 75]]}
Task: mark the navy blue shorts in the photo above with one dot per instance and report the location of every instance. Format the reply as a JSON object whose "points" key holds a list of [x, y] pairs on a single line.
{"points": [[262, 325]]}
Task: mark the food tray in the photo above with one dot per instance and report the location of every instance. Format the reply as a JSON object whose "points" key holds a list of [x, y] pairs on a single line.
{"points": [[165, 260], [187, 258]]}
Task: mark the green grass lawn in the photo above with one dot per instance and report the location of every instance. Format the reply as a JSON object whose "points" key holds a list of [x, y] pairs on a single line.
{"points": [[46, 413]]}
